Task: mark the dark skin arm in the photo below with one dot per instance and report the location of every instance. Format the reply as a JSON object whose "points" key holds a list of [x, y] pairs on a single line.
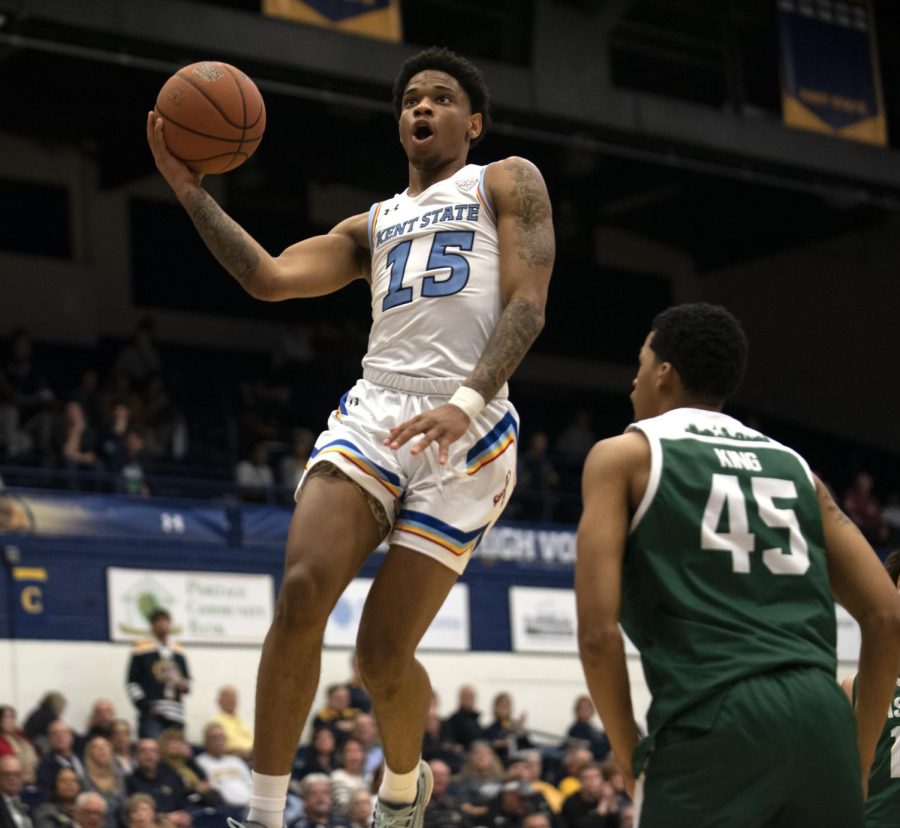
{"points": [[862, 586], [313, 267], [614, 479], [527, 249]]}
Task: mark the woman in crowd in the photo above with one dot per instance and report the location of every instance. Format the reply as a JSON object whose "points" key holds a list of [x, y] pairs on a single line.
{"points": [[14, 741], [104, 776], [59, 809], [140, 812], [122, 745], [479, 780]]}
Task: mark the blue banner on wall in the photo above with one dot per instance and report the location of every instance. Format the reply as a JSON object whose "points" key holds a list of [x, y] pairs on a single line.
{"points": [[829, 69], [58, 548]]}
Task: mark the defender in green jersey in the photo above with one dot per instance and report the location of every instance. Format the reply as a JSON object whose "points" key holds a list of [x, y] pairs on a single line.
{"points": [[721, 554], [883, 802]]}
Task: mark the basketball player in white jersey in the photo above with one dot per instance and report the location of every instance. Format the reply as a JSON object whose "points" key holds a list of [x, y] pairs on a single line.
{"points": [[421, 451]]}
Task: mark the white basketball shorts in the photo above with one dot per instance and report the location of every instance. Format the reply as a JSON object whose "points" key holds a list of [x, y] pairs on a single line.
{"points": [[441, 511]]}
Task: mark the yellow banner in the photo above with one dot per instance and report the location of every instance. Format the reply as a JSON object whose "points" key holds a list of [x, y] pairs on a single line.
{"points": [[379, 19]]}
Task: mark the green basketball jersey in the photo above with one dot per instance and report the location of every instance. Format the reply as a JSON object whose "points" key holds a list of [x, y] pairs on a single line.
{"points": [[724, 574], [883, 803]]}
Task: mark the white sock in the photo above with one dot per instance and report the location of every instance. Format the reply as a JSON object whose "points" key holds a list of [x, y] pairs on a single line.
{"points": [[268, 799], [399, 788]]}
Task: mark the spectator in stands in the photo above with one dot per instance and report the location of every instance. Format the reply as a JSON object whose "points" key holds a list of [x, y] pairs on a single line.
{"points": [[13, 812], [60, 754], [574, 759], [133, 465], [140, 812], [112, 432], [863, 508], [103, 776], [155, 778], [538, 480], [253, 474], [626, 815], [595, 799], [584, 730], [14, 441], [100, 723], [158, 677], [317, 757], [315, 790], [122, 745], [87, 394], [462, 727], [361, 808], [91, 811], [13, 741], [366, 732], [537, 819], [178, 755], [227, 773], [139, 359], [436, 745], [510, 804], [443, 809], [349, 777], [479, 780], [161, 418], [78, 441], [31, 391], [59, 808], [526, 766], [238, 734], [293, 464], [49, 709], [576, 439], [337, 714], [506, 734]]}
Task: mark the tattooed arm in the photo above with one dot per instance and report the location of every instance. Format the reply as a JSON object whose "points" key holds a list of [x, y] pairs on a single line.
{"points": [[861, 584], [313, 267], [526, 246]]}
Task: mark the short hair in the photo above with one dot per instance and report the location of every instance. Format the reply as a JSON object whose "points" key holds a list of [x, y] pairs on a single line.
{"points": [[706, 345], [89, 796], [892, 565], [159, 612], [466, 74], [314, 779], [133, 801]]}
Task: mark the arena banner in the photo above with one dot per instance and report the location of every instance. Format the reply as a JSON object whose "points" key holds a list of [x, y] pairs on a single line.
{"points": [[206, 607], [56, 514], [379, 19], [448, 631], [830, 77]]}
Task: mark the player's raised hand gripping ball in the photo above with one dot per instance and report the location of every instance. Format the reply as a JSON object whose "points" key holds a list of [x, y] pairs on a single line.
{"points": [[214, 116]]}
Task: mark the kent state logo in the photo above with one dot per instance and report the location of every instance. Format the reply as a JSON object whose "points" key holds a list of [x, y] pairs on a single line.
{"points": [[338, 10]]}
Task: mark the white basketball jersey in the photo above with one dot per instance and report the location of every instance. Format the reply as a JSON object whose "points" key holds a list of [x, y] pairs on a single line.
{"points": [[435, 279]]}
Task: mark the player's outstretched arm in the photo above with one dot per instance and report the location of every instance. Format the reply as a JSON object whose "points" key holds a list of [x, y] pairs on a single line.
{"points": [[862, 586], [527, 249], [602, 533], [313, 267]]}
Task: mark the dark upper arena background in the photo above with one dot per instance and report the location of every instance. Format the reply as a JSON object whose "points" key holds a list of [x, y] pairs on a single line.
{"points": [[656, 123]]}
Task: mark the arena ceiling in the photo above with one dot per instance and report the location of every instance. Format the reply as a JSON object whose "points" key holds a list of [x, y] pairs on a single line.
{"points": [[88, 87]]}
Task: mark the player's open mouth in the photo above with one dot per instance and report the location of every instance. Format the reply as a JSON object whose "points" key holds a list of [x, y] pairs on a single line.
{"points": [[422, 132]]}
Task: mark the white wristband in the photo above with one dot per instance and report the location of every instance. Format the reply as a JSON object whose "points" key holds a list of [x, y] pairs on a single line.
{"points": [[469, 400]]}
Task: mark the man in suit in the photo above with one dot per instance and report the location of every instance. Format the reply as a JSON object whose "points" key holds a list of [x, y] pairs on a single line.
{"points": [[13, 813]]}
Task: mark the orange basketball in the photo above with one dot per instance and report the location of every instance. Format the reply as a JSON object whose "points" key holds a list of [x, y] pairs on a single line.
{"points": [[214, 116]]}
